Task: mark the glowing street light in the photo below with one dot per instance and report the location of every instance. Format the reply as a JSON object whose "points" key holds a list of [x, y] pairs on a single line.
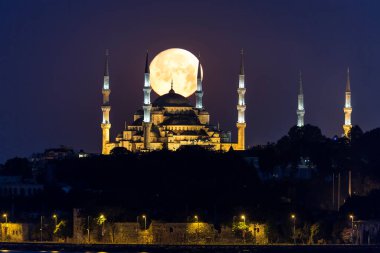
{"points": [[196, 218], [101, 220], [293, 216], [5, 216], [352, 227], [243, 218], [144, 217], [55, 218]]}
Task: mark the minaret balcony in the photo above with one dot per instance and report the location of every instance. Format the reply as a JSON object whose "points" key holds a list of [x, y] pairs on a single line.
{"points": [[106, 91], [241, 91], [106, 108], [347, 109]]}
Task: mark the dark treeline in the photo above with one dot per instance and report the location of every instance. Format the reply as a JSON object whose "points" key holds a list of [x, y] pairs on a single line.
{"points": [[173, 186]]}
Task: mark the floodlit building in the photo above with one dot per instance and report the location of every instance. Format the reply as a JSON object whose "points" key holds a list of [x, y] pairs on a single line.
{"points": [[171, 121]]}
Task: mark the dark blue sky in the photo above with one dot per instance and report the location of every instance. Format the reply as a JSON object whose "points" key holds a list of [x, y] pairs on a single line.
{"points": [[52, 60]]}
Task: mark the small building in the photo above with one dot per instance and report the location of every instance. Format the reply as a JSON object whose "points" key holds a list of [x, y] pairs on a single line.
{"points": [[14, 232], [366, 232]]}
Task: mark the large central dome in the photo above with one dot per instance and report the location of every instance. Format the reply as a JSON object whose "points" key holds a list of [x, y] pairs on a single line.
{"points": [[172, 99]]}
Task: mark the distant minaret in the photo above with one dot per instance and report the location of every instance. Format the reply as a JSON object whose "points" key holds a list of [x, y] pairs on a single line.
{"points": [[147, 107], [301, 108], [106, 108], [241, 107], [347, 108], [199, 92]]}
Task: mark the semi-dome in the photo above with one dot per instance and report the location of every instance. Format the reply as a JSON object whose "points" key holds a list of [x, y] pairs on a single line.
{"points": [[172, 99]]}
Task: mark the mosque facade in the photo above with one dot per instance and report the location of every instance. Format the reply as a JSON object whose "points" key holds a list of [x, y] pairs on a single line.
{"points": [[171, 121]]}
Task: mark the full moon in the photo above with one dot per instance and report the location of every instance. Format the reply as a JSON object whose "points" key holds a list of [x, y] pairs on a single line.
{"points": [[178, 65]]}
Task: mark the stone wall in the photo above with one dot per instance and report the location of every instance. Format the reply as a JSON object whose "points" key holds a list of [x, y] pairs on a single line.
{"points": [[14, 232], [161, 233]]}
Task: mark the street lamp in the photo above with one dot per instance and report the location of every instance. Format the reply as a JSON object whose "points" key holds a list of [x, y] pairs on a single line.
{"points": [[293, 216], [102, 220], [243, 218], [55, 218], [196, 218], [5, 216], [243, 231], [352, 227], [41, 227], [144, 217], [88, 228]]}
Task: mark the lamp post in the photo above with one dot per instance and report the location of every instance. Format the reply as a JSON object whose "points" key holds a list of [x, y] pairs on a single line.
{"points": [[41, 227], [196, 218], [55, 218], [243, 218], [243, 231], [144, 217], [352, 228], [102, 220], [293, 216], [5, 216], [88, 228]]}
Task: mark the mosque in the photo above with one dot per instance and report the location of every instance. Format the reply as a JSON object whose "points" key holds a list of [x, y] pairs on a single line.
{"points": [[171, 121]]}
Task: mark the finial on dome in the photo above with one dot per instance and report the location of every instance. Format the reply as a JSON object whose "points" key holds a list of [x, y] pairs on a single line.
{"points": [[171, 87]]}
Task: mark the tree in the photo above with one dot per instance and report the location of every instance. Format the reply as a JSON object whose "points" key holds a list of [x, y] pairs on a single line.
{"points": [[119, 151], [314, 230], [17, 167]]}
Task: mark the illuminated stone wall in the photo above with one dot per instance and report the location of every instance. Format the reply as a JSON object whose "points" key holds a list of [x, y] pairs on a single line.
{"points": [[164, 233], [14, 232]]}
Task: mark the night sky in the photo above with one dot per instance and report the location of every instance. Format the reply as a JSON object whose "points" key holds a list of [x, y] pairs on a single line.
{"points": [[51, 65]]}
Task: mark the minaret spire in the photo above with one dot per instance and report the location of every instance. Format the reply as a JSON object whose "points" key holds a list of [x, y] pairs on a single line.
{"points": [[242, 62], [147, 62], [348, 85], [241, 125], [147, 107], [347, 107], [199, 92], [106, 68], [106, 108], [300, 108]]}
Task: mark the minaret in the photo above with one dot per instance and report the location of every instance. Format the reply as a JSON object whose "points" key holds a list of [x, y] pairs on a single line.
{"points": [[147, 107], [106, 108], [347, 108], [241, 107], [301, 108], [199, 92]]}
